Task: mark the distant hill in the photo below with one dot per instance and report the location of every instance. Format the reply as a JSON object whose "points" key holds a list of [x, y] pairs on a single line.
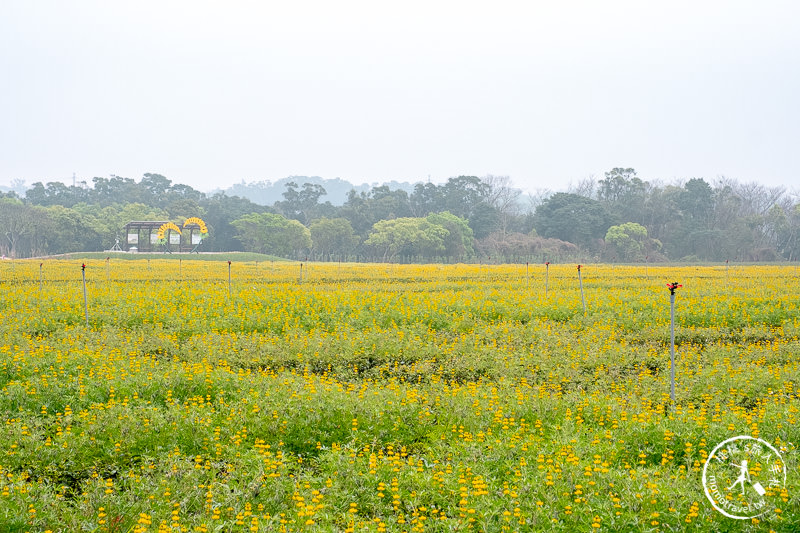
{"points": [[267, 192]]}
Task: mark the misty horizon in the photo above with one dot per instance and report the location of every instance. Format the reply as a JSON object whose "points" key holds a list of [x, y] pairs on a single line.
{"points": [[548, 95]]}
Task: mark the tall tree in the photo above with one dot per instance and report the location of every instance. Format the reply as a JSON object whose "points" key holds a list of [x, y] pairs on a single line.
{"points": [[572, 218], [696, 235], [504, 199], [459, 242], [21, 228], [407, 236], [427, 198], [154, 188], [301, 203], [623, 194], [331, 236], [463, 195], [629, 241], [364, 209], [69, 230], [270, 233], [220, 211]]}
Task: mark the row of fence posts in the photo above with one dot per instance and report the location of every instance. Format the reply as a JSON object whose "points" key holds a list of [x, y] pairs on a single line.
{"points": [[302, 274], [671, 286]]}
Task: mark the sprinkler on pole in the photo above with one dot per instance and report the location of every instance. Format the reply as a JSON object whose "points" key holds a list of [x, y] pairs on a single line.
{"points": [[580, 282], [546, 277], [85, 299], [672, 287]]}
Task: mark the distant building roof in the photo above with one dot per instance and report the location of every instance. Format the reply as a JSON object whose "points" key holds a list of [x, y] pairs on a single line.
{"points": [[146, 223]]}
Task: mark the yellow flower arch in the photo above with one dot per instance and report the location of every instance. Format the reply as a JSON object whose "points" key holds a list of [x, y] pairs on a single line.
{"points": [[198, 221], [168, 226]]}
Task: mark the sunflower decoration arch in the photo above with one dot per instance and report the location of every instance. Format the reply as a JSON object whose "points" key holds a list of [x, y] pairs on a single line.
{"points": [[196, 239], [166, 237]]}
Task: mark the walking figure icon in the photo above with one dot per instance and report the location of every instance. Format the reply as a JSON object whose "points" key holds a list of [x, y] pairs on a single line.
{"points": [[744, 474]]}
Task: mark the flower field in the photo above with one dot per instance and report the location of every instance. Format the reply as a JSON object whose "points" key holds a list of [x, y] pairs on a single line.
{"points": [[340, 397]]}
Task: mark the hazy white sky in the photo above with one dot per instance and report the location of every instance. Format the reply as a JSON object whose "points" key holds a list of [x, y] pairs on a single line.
{"points": [[548, 93]]}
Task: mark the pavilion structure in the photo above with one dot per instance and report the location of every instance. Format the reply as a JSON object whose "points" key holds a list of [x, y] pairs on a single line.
{"points": [[164, 236], [142, 236]]}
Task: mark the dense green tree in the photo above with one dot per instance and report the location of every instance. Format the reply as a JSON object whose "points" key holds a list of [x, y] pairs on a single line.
{"points": [[22, 228], [154, 188], [386, 204], [220, 211], [484, 220], [662, 215], [363, 209], [628, 241], [407, 236], [68, 230], [459, 242], [572, 218], [427, 198], [270, 233], [696, 201], [331, 236], [696, 236], [56, 193], [113, 190], [183, 208], [463, 195], [623, 194], [301, 203]]}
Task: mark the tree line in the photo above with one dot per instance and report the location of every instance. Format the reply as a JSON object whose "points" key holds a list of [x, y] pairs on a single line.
{"points": [[618, 218]]}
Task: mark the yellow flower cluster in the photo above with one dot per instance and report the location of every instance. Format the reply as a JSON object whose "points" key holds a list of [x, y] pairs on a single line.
{"points": [[386, 397]]}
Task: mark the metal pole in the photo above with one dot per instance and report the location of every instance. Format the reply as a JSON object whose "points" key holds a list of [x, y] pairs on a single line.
{"points": [[672, 347], [546, 278], [229, 279], [672, 287], [527, 277], [580, 281], [40, 277], [301, 272], [85, 299]]}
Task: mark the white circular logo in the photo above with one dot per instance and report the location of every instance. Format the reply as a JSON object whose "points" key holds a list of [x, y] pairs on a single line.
{"points": [[743, 477]]}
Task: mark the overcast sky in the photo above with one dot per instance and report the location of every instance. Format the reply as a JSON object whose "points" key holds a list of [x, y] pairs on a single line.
{"points": [[548, 93]]}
